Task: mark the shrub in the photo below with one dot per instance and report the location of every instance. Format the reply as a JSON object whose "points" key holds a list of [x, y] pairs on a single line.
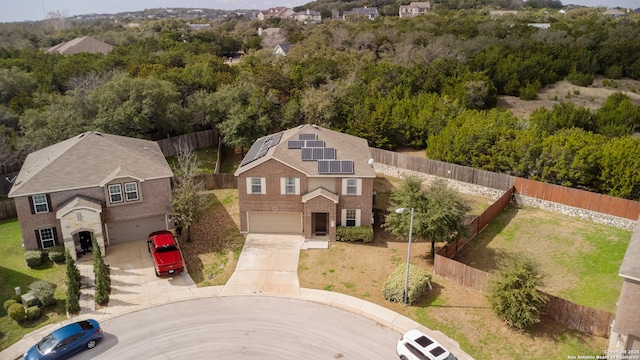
{"points": [[580, 79], [73, 284], [613, 72], [8, 303], [101, 272], [514, 294], [354, 233], [56, 253], [33, 258], [419, 280], [33, 313], [17, 312], [530, 91], [43, 291]]}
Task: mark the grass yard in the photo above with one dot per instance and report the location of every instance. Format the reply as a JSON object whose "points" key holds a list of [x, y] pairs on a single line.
{"points": [[14, 272], [579, 259], [207, 158]]}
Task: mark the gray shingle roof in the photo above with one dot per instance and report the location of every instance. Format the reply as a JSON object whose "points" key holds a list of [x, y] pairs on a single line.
{"points": [[80, 45], [348, 147], [630, 267], [89, 160]]}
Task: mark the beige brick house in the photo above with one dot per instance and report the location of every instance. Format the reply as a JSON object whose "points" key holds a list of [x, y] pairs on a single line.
{"points": [[307, 180], [114, 188]]}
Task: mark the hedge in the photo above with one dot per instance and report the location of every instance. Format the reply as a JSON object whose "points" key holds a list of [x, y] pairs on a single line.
{"points": [[33, 258], [56, 253], [354, 233], [17, 312], [419, 280]]}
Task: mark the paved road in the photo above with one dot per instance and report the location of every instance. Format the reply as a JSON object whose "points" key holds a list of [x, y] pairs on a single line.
{"points": [[244, 327]]}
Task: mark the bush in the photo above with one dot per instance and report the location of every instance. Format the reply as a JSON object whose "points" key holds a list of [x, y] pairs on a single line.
{"points": [[419, 280], [354, 233], [514, 294], [580, 79], [73, 285], [17, 312], [44, 292], [530, 91], [56, 253], [613, 72], [8, 303], [101, 271], [33, 258], [33, 313]]}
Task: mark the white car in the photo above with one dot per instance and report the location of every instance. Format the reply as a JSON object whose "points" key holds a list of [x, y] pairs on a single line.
{"points": [[414, 345]]}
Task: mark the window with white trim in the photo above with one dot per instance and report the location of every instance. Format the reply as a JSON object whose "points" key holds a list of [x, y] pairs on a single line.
{"points": [[351, 217], [352, 186], [40, 203], [290, 186], [256, 186], [46, 237], [131, 191], [115, 193]]}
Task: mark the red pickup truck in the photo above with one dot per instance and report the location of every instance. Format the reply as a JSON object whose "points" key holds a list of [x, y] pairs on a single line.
{"points": [[167, 259]]}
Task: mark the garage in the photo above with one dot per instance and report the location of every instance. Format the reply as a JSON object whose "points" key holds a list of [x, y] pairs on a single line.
{"points": [[274, 222], [138, 229]]}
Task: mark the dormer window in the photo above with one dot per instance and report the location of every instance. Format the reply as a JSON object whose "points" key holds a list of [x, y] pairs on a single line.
{"points": [[131, 191], [115, 193]]}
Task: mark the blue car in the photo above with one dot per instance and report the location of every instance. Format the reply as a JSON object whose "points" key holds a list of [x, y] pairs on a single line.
{"points": [[66, 341]]}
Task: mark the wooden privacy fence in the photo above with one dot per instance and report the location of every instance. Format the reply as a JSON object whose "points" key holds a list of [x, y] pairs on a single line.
{"points": [[8, 209], [574, 316], [218, 181], [442, 169], [193, 141]]}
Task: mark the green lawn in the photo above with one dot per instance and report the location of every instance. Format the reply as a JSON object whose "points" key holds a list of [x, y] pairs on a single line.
{"points": [[14, 272], [207, 158]]}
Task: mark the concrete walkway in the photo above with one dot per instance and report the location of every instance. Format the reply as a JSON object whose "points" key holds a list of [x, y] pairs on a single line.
{"points": [[267, 267]]}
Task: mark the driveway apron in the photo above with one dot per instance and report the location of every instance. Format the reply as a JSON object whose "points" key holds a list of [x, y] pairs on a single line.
{"points": [[268, 265]]}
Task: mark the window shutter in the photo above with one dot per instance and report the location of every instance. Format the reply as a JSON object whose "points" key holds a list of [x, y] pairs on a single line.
{"points": [[358, 213], [49, 203], [55, 235], [38, 239], [31, 207], [344, 187], [283, 186], [248, 185], [343, 217], [263, 185], [297, 186], [359, 188]]}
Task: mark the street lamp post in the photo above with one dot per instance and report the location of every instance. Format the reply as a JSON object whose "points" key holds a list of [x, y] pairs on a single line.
{"points": [[406, 279]]}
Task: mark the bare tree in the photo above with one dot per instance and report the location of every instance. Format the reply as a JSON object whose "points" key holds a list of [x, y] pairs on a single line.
{"points": [[188, 201]]}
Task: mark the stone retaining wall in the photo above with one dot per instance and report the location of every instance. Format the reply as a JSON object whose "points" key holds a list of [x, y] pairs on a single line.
{"points": [[472, 189]]}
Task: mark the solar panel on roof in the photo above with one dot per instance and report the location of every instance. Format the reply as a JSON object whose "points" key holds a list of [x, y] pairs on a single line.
{"points": [[307, 154], [334, 166], [253, 152], [276, 139], [295, 144], [323, 167], [329, 154], [318, 153], [307, 136], [314, 143], [346, 167]]}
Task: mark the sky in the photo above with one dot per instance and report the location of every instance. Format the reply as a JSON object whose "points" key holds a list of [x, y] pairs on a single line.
{"points": [[25, 10]]}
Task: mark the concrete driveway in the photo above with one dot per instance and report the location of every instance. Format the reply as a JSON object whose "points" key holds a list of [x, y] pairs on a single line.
{"points": [[134, 283], [268, 265]]}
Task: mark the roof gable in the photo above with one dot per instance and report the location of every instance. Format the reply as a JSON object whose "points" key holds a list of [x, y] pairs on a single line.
{"points": [[87, 160], [80, 45]]}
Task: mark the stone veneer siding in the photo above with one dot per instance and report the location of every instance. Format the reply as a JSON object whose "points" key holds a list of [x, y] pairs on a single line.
{"points": [[472, 189]]}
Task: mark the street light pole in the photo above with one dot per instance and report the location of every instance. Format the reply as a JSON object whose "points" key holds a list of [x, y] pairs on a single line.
{"points": [[406, 279]]}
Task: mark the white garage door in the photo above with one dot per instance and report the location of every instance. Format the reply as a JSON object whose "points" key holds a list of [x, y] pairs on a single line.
{"points": [[123, 231], [278, 222]]}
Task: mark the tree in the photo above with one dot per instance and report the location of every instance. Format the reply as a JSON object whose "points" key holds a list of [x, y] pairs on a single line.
{"points": [[514, 292], [73, 284], [438, 213], [188, 201], [620, 168], [101, 272]]}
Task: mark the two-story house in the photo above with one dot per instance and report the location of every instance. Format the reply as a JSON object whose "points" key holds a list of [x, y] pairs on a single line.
{"points": [[308, 17], [306, 180], [109, 187], [369, 13]]}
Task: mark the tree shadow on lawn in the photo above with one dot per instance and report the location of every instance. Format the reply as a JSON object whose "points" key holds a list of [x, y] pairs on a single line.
{"points": [[477, 252], [549, 330]]}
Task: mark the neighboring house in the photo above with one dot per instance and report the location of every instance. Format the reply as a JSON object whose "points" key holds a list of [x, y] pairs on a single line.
{"points": [[200, 26], [540, 25], [276, 12], [113, 188], [370, 13], [625, 331], [414, 9], [307, 180], [271, 37], [308, 17], [615, 12], [282, 49], [497, 13], [81, 45]]}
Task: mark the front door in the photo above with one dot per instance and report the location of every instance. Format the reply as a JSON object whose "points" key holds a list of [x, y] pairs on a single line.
{"points": [[85, 238], [320, 223]]}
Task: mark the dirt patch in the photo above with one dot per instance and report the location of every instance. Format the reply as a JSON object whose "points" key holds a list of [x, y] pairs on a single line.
{"points": [[591, 97]]}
